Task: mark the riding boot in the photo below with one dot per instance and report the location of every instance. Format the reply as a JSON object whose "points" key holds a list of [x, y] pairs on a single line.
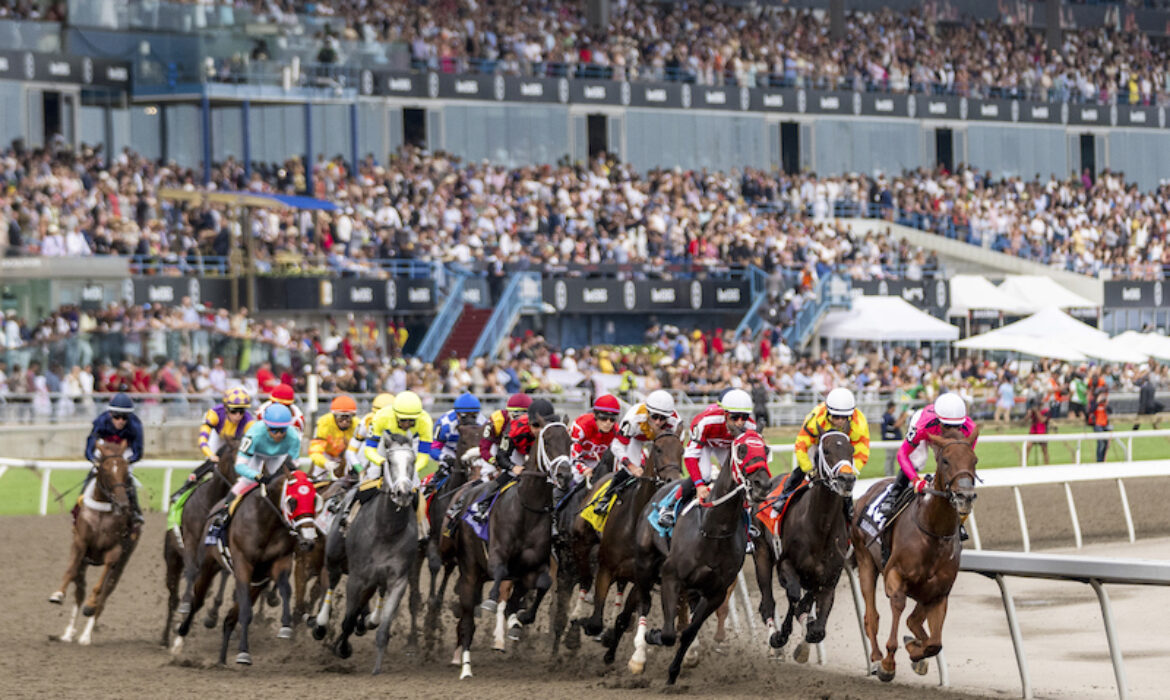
{"points": [[345, 507], [479, 511], [217, 520], [901, 483], [135, 509], [619, 478], [794, 480], [666, 511]]}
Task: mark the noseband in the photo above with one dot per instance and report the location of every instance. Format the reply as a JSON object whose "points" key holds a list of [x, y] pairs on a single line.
{"points": [[660, 468], [830, 474], [947, 491]]}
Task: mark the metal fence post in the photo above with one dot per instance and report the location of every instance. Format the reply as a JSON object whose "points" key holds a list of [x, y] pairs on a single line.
{"points": [[1009, 608], [1111, 636], [1023, 520], [44, 506]]}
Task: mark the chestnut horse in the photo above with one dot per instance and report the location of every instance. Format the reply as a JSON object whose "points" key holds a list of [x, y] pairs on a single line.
{"points": [[924, 553], [102, 534]]}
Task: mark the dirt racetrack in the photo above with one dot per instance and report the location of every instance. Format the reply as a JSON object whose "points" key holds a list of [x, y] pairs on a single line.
{"points": [[1061, 627]]}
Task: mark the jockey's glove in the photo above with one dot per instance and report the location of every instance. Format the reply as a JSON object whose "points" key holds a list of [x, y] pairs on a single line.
{"points": [[920, 484]]}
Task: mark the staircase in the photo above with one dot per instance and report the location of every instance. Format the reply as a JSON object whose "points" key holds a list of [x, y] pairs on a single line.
{"points": [[521, 296], [832, 292], [465, 332]]}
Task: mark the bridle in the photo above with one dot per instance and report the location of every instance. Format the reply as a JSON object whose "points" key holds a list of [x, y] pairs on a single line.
{"points": [[546, 467], [398, 485], [947, 491], [107, 490], [659, 469], [831, 474]]}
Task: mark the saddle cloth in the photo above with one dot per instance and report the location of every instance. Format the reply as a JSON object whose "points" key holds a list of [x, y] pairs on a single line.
{"points": [[766, 515], [872, 522], [589, 515], [481, 529]]}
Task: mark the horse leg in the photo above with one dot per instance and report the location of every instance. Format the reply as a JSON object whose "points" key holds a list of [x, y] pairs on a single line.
{"points": [[613, 636], [357, 596], [76, 553], [229, 624], [174, 564], [498, 643], [213, 612], [393, 598], [867, 573], [499, 571], [670, 609], [282, 585], [815, 633], [914, 622], [791, 586], [243, 607], [542, 585], [301, 577], [97, 598], [414, 581], [465, 629], [764, 562], [701, 612], [593, 625], [560, 617], [935, 617], [721, 617], [201, 582], [896, 592], [434, 563], [78, 599]]}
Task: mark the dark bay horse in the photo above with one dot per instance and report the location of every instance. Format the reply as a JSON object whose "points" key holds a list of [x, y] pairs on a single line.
{"points": [[701, 562], [616, 551], [466, 454], [182, 549], [519, 544], [102, 535], [814, 538], [924, 553], [381, 546], [261, 539]]}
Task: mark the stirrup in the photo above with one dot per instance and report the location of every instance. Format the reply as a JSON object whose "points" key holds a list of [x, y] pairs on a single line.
{"points": [[963, 536], [666, 518]]}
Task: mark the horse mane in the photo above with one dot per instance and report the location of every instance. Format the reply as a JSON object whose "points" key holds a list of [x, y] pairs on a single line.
{"points": [[400, 439]]}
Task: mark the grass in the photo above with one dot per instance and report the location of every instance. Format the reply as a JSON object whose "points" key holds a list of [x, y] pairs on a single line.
{"points": [[20, 488]]}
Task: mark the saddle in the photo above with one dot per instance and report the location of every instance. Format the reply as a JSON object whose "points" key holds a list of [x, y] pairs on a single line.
{"points": [[765, 515], [589, 513], [481, 529], [871, 521]]}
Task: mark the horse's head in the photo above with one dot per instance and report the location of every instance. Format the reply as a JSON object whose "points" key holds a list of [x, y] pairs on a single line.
{"points": [[834, 465], [227, 457], [467, 449], [550, 455], [113, 477], [955, 460], [749, 464], [398, 472], [300, 505], [666, 457]]}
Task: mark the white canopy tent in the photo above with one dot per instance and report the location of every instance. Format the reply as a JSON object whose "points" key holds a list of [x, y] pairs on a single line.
{"points": [[1152, 344], [976, 292], [885, 319], [1053, 333], [1032, 293]]}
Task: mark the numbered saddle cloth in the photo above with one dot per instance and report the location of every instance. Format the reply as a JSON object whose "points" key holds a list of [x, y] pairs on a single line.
{"points": [[591, 516]]}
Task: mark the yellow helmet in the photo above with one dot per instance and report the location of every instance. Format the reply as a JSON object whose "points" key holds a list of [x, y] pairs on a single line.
{"points": [[382, 401], [408, 405]]}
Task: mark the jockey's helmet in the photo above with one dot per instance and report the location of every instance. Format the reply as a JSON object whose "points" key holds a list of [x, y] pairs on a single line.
{"points": [[343, 405], [950, 409], [840, 402], [283, 393], [408, 405], [607, 403], [278, 416], [736, 401], [121, 403], [660, 401], [466, 403], [541, 411], [518, 403], [382, 401], [237, 397]]}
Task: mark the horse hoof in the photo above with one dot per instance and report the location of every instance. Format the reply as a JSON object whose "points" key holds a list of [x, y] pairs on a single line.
{"points": [[920, 666], [343, 649], [285, 633], [465, 674], [209, 622], [359, 630], [609, 656], [776, 641], [87, 611], [489, 606], [318, 632], [775, 654], [176, 646], [244, 658], [636, 667], [815, 636], [57, 597], [884, 675], [801, 653], [273, 599], [514, 633]]}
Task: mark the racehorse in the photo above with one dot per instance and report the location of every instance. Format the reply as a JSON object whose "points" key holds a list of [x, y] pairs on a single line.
{"points": [[466, 452], [617, 552], [381, 546], [814, 538], [568, 538], [182, 549], [701, 561], [924, 553], [519, 544], [261, 537], [310, 566], [102, 534]]}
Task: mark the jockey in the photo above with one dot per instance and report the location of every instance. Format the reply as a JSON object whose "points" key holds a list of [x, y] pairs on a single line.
{"points": [[496, 431], [948, 409], [641, 425], [465, 412], [331, 438], [229, 419], [403, 417], [839, 412], [117, 424], [712, 433], [263, 451], [355, 454], [522, 432], [284, 394], [592, 434]]}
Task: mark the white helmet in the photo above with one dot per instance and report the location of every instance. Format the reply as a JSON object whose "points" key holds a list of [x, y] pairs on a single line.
{"points": [[950, 409], [660, 401], [840, 402], [736, 401]]}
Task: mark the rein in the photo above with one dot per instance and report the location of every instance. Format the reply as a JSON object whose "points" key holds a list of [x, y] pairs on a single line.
{"points": [[545, 467]]}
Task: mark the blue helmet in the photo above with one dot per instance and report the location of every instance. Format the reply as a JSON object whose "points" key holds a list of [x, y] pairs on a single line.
{"points": [[121, 403], [277, 415], [466, 403]]}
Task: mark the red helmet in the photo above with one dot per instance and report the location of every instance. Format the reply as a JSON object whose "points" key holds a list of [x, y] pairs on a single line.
{"points": [[518, 403], [283, 393], [607, 403], [754, 450]]}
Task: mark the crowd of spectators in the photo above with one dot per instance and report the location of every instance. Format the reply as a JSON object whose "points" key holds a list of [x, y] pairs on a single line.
{"points": [[433, 207]]}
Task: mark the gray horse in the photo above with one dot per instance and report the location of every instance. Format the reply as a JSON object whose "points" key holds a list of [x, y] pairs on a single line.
{"points": [[381, 545]]}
